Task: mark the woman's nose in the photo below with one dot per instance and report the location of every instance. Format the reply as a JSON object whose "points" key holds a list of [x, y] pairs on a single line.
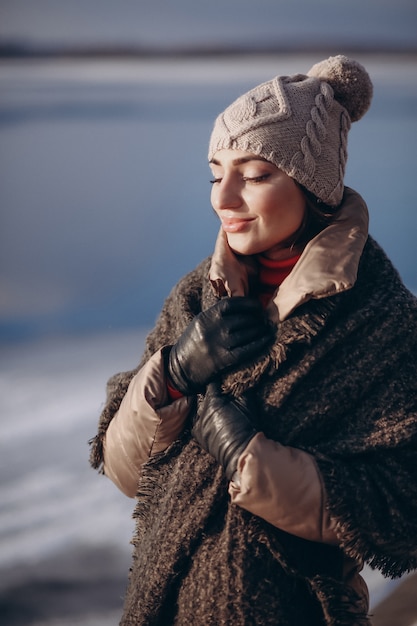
{"points": [[225, 195]]}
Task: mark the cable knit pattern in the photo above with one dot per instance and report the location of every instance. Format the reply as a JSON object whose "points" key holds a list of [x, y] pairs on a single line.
{"points": [[316, 132]]}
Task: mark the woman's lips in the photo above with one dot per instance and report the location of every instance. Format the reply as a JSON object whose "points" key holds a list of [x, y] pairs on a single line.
{"points": [[235, 224]]}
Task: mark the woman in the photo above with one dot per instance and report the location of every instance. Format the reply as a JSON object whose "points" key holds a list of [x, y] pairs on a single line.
{"points": [[269, 433]]}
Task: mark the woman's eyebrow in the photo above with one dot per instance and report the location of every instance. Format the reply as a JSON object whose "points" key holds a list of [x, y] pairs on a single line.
{"points": [[241, 160]]}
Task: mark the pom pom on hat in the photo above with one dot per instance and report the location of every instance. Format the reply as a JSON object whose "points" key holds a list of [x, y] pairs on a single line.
{"points": [[350, 82]]}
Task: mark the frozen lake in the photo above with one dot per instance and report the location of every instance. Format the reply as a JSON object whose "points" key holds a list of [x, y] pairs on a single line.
{"points": [[105, 185]]}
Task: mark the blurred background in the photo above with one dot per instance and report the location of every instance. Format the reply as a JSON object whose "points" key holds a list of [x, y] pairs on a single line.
{"points": [[106, 107]]}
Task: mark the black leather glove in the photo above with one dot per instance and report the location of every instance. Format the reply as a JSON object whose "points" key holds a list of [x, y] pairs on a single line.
{"points": [[229, 333], [223, 427]]}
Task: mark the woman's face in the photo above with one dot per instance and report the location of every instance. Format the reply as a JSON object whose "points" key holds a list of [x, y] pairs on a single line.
{"points": [[259, 206]]}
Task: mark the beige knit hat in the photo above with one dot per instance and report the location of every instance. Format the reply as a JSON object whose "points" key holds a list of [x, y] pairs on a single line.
{"points": [[300, 123]]}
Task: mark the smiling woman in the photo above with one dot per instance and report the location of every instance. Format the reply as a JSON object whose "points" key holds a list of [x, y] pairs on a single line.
{"points": [[268, 433], [260, 207]]}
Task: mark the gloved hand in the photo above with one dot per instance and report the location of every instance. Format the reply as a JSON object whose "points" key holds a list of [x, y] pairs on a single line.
{"points": [[223, 427], [229, 333]]}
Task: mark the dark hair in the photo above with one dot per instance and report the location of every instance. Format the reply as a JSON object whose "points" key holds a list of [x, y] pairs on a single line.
{"points": [[318, 215]]}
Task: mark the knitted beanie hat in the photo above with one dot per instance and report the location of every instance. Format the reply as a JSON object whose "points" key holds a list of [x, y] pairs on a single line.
{"points": [[300, 123]]}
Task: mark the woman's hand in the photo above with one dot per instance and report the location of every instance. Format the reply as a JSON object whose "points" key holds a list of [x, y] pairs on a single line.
{"points": [[229, 333], [223, 428]]}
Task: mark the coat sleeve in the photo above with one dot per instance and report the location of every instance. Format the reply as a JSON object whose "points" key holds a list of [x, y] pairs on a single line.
{"points": [[179, 308], [145, 424], [283, 486]]}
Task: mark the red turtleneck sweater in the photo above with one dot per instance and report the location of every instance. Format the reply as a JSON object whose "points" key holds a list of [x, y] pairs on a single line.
{"points": [[271, 275]]}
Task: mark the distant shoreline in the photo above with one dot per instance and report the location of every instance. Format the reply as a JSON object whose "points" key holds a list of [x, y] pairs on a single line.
{"points": [[18, 50]]}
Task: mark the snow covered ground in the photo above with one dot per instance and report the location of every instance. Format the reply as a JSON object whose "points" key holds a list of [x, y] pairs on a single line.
{"points": [[65, 530]]}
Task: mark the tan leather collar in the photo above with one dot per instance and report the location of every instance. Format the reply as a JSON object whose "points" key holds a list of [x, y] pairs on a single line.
{"points": [[328, 264]]}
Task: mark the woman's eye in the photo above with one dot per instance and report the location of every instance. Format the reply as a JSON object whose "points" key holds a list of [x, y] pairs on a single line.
{"points": [[256, 179], [246, 179]]}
